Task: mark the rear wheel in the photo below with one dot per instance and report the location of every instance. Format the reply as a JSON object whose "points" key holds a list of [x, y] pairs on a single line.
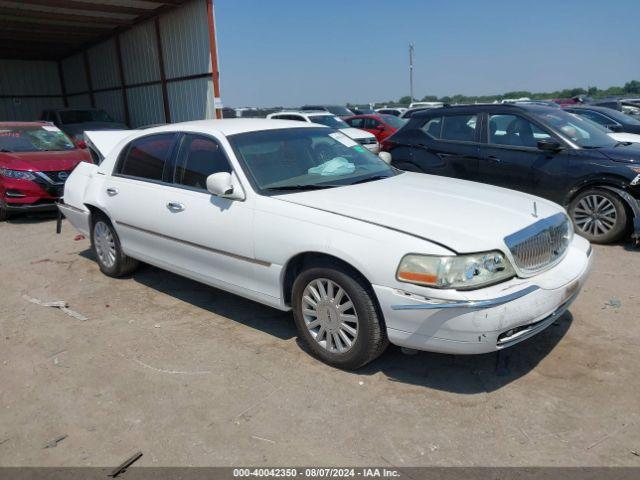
{"points": [[599, 215], [336, 316], [108, 251]]}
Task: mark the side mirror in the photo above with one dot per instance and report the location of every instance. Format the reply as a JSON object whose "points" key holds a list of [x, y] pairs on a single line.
{"points": [[549, 145], [380, 128], [385, 157], [615, 128], [81, 144], [222, 185]]}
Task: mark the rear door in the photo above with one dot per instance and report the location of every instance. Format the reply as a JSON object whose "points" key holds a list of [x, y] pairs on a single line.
{"points": [[510, 156], [446, 145], [135, 196]]}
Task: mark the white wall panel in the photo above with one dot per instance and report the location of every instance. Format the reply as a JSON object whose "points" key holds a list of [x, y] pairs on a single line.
{"points": [[103, 63], [27, 109], [185, 40], [191, 99], [75, 76], [145, 105], [112, 103], [26, 77], [79, 101], [140, 54]]}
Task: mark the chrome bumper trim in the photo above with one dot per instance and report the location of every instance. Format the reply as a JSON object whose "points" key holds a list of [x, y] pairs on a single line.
{"points": [[493, 302]]}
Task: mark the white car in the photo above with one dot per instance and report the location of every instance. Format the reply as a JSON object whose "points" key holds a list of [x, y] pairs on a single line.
{"points": [[363, 254], [396, 111], [366, 139], [426, 104]]}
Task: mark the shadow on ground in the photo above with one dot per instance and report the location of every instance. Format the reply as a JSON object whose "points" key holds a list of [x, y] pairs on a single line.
{"points": [[463, 374], [33, 217]]}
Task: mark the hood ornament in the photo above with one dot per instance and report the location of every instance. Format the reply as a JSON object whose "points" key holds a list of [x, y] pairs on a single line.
{"points": [[535, 209]]}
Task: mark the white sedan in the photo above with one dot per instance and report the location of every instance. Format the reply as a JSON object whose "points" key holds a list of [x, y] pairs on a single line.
{"points": [[362, 253]]}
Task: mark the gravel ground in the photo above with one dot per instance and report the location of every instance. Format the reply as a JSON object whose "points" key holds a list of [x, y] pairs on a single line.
{"points": [[191, 375]]}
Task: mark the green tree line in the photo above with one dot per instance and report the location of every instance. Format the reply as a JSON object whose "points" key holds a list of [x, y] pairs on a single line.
{"points": [[629, 88]]}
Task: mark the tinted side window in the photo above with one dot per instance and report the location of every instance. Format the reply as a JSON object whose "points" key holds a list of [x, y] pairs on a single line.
{"points": [[356, 122], [146, 157], [199, 157], [515, 131], [433, 127], [459, 128], [371, 123]]}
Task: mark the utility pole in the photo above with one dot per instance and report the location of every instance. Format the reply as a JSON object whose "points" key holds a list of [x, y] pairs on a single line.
{"points": [[411, 48]]}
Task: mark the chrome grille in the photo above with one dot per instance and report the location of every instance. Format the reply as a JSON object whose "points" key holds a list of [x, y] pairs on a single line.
{"points": [[541, 245]]}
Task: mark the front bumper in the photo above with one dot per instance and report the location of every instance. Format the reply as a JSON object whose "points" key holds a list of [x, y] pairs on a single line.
{"points": [[488, 319], [17, 195]]}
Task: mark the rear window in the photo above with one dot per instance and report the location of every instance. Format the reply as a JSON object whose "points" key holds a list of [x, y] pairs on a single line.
{"points": [[146, 157], [84, 116]]}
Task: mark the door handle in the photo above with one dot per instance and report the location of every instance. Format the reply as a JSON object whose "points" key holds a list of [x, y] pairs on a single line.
{"points": [[112, 191], [493, 158], [175, 206]]}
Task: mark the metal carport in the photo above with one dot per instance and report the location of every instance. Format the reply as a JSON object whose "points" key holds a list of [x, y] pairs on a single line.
{"points": [[143, 61]]}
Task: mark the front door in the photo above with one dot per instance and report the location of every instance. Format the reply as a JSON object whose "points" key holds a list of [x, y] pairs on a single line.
{"points": [[510, 156]]}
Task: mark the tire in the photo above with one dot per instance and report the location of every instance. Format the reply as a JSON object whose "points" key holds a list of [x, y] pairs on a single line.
{"points": [[4, 213], [370, 337], [106, 247], [599, 215]]}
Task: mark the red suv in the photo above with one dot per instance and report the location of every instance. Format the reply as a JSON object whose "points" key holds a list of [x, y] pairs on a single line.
{"points": [[380, 125], [35, 160]]}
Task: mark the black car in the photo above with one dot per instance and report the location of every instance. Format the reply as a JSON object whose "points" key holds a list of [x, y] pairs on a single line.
{"points": [[609, 118], [536, 149]]}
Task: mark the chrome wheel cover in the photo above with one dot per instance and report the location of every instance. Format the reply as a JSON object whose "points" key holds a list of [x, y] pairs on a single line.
{"points": [[105, 244], [329, 315], [595, 215]]}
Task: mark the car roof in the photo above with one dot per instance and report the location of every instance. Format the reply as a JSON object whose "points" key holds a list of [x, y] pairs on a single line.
{"points": [[596, 108], [230, 126], [308, 113], [484, 107]]}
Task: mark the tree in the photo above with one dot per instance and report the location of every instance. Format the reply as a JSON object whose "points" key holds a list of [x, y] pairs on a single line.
{"points": [[429, 98], [632, 87], [406, 100]]}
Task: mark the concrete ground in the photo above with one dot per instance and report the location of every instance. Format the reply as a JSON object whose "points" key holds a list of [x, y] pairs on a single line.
{"points": [[191, 375]]}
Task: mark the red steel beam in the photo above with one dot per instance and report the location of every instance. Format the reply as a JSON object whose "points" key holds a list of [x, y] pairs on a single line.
{"points": [[213, 49]]}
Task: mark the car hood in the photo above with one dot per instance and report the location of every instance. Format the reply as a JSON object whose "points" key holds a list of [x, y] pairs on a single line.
{"points": [[623, 154], [356, 133], [77, 128], [43, 161], [625, 137], [460, 215]]}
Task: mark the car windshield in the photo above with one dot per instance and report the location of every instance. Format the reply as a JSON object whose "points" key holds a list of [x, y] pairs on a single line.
{"points": [[577, 129], [339, 110], [329, 120], [37, 138], [84, 116], [393, 121], [306, 158], [622, 117]]}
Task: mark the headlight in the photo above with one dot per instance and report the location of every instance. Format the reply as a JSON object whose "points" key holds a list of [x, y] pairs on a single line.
{"points": [[462, 272], [19, 174]]}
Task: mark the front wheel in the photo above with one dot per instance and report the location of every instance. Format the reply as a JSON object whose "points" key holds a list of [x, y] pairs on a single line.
{"points": [[599, 215], [108, 251], [337, 318]]}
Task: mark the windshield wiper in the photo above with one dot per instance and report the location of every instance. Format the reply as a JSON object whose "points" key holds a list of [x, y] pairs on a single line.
{"points": [[622, 144], [299, 187], [371, 179]]}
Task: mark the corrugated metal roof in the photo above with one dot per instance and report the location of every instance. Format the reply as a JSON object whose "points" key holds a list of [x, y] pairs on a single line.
{"points": [[40, 29]]}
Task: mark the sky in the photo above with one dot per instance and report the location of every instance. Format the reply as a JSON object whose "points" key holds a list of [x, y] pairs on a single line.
{"points": [[292, 52]]}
